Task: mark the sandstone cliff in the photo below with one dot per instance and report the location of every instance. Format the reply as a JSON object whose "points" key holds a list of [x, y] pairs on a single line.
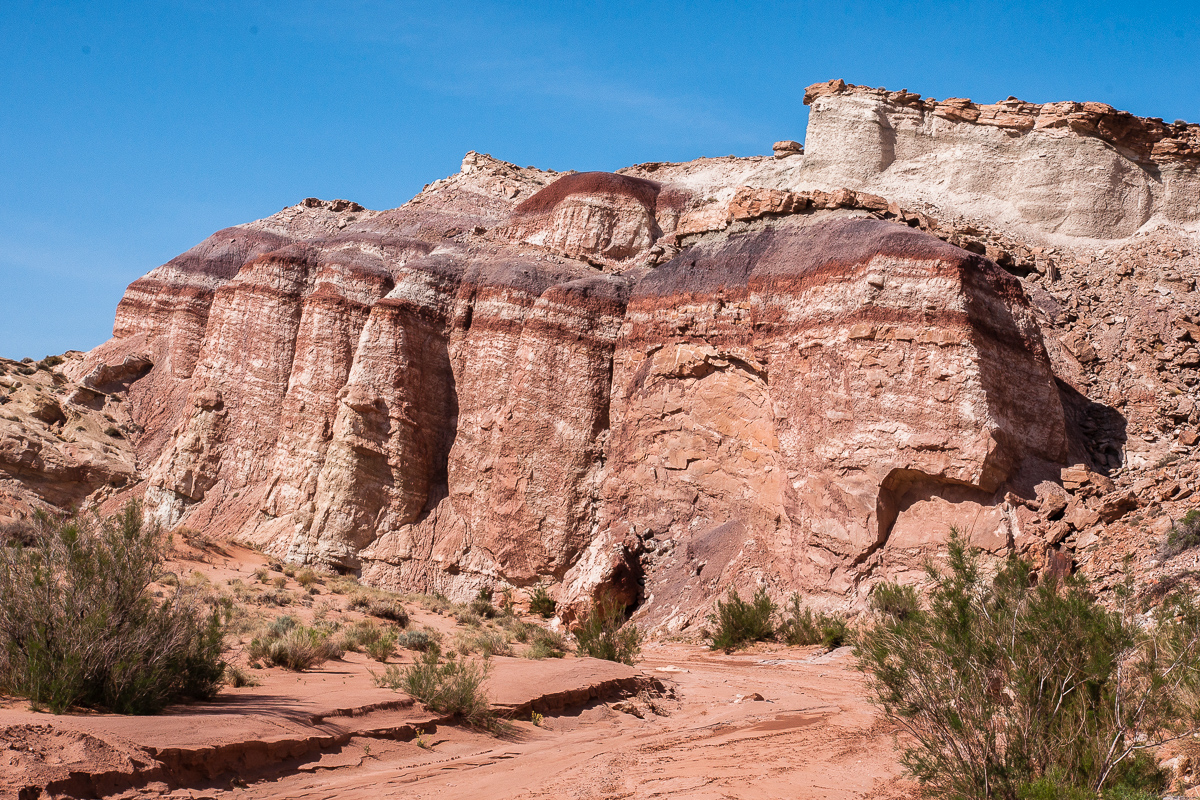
{"points": [[799, 369]]}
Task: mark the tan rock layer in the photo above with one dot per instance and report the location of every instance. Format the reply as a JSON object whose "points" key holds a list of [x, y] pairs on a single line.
{"points": [[1148, 139]]}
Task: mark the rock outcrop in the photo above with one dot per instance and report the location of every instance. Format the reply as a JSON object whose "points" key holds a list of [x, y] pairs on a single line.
{"points": [[800, 370]]}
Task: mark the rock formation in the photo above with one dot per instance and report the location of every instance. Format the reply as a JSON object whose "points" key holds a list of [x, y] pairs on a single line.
{"points": [[799, 369]]}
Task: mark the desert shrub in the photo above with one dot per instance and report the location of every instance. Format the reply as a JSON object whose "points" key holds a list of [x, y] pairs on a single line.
{"points": [[465, 616], [279, 582], [602, 632], [803, 627], [482, 606], [739, 622], [1183, 535], [390, 678], [489, 643], [415, 640], [288, 644], [893, 601], [383, 648], [78, 626], [237, 677], [1010, 689], [545, 643], [307, 577], [519, 629], [541, 603], [388, 608], [288, 570], [275, 598], [18, 534], [450, 685], [261, 574], [356, 636]]}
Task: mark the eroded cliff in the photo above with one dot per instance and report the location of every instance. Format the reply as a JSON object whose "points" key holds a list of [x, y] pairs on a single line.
{"points": [[800, 370]]}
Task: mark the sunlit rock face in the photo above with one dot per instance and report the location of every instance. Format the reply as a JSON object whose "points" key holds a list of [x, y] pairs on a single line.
{"points": [[652, 385]]}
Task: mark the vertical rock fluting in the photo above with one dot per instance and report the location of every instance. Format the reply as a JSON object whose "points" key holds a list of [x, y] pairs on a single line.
{"points": [[494, 385]]}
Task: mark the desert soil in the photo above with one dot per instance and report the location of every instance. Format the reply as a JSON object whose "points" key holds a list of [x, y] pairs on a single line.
{"points": [[767, 722]]}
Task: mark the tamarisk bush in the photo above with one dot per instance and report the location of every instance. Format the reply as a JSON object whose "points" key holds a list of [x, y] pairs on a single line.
{"points": [[79, 627], [1010, 689]]}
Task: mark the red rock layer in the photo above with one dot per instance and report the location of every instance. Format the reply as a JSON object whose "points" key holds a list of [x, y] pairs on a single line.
{"points": [[423, 397]]}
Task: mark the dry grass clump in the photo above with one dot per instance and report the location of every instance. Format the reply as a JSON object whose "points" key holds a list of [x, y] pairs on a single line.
{"points": [[488, 642], [237, 677], [307, 578], [368, 636], [544, 643], [288, 644], [380, 605]]}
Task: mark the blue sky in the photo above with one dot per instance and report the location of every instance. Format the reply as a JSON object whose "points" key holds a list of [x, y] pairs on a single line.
{"points": [[131, 130]]}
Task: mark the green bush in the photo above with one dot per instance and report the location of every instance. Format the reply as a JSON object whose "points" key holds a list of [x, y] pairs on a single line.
{"points": [[450, 685], [383, 648], [803, 627], [545, 643], [1184, 535], [1008, 689], [541, 603], [602, 632], [739, 623], [893, 601], [290, 645], [78, 626]]}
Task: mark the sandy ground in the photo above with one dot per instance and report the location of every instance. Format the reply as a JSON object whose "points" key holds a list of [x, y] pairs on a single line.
{"points": [[812, 736], [686, 722]]}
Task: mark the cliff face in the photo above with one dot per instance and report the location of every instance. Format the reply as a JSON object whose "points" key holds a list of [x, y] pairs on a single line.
{"points": [[800, 370]]}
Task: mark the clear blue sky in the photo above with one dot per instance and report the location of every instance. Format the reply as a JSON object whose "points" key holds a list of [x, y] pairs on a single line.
{"points": [[131, 130]]}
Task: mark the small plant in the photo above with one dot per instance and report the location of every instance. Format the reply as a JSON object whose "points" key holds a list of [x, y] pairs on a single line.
{"points": [[382, 648], [261, 574], [237, 677], [307, 577], [537, 719], [279, 582], [1184, 535], [389, 609], [602, 632], [545, 643], [541, 603], [739, 623], [489, 643], [421, 742], [803, 627], [357, 636], [290, 645], [482, 606], [894, 602], [419, 641], [289, 570], [450, 685]]}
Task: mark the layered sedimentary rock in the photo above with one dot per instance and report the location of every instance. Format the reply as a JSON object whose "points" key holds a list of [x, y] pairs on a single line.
{"points": [[799, 370]]}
